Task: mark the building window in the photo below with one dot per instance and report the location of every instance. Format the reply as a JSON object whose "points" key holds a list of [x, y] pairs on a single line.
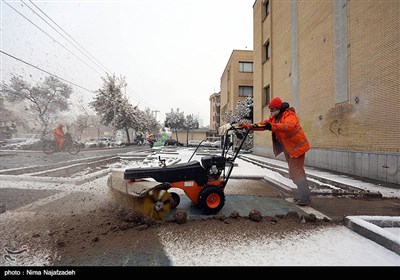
{"points": [[265, 10], [246, 67], [245, 91], [266, 95], [267, 51]]}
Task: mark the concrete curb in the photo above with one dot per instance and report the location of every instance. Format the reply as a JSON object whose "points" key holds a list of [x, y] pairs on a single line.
{"points": [[312, 179], [371, 227]]}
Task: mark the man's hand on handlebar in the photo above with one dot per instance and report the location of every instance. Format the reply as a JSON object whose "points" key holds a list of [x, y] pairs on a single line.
{"points": [[247, 125], [256, 126]]}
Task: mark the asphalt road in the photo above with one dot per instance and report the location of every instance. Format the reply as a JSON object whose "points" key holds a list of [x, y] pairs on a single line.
{"points": [[16, 159]]}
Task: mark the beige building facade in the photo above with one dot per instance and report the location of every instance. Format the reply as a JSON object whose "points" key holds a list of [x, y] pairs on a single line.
{"points": [[236, 80], [194, 134], [337, 63], [215, 110]]}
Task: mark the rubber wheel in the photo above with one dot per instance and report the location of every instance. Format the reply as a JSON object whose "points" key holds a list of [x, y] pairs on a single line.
{"points": [[176, 199], [74, 148], [211, 200]]}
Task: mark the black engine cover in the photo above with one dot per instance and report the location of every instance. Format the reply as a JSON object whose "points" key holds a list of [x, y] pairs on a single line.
{"points": [[175, 173], [209, 161]]}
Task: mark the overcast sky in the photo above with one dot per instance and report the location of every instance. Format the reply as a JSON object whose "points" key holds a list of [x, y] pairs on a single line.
{"points": [[172, 52]]}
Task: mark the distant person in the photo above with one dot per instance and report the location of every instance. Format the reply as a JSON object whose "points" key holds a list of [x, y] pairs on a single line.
{"points": [[150, 139], [59, 135], [288, 137]]}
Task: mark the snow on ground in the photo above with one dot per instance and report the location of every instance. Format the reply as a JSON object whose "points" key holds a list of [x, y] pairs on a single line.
{"points": [[336, 246], [333, 246]]}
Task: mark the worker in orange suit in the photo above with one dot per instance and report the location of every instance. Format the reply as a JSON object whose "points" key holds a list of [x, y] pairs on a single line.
{"points": [[59, 135], [288, 137]]}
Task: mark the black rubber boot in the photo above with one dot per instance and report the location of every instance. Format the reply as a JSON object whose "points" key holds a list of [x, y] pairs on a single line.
{"points": [[295, 195], [304, 192]]}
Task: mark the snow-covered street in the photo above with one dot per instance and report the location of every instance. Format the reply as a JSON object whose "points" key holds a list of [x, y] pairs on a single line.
{"points": [[82, 225]]}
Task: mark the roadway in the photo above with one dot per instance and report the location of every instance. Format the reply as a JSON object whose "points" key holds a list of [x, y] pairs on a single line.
{"points": [[10, 159]]}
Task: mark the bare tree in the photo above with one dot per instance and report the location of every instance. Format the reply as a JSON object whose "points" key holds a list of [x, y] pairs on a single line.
{"points": [[144, 122], [9, 121], [108, 98], [126, 117], [189, 124], [82, 121], [113, 108], [149, 123], [45, 99], [175, 121], [242, 113]]}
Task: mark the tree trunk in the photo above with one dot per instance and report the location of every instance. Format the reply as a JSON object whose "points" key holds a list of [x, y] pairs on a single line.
{"points": [[128, 139]]}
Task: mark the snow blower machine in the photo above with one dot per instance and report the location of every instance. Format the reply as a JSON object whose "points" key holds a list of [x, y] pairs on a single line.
{"points": [[147, 189]]}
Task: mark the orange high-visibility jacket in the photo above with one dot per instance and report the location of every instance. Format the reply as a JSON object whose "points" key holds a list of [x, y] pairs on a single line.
{"points": [[288, 133], [59, 136]]}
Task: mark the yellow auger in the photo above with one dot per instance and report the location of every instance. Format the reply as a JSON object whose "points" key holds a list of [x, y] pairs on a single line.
{"points": [[144, 196]]}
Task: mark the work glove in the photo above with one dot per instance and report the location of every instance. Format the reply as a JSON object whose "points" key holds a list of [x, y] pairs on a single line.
{"points": [[268, 126], [262, 126]]}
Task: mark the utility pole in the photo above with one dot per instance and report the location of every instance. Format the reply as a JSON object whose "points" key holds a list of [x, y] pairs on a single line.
{"points": [[114, 121]]}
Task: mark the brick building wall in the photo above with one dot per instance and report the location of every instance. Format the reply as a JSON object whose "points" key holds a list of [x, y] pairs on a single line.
{"points": [[337, 63], [232, 78]]}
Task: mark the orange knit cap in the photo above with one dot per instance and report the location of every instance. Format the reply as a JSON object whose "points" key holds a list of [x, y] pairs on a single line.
{"points": [[275, 102]]}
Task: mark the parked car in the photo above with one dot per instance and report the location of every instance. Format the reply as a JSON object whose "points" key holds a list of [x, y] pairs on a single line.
{"points": [[206, 143], [90, 144], [104, 142], [216, 144], [119, 143], [193, 143], [172, 142], [138, 141]]}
